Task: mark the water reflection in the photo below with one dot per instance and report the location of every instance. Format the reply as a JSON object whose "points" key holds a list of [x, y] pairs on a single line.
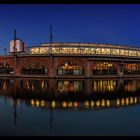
{"points": [[67, 95], [79, 94], [91, 104], [68, 86], [104, 85]]}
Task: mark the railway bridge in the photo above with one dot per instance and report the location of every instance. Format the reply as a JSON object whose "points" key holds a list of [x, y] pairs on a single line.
{"points": [[73, 60]]}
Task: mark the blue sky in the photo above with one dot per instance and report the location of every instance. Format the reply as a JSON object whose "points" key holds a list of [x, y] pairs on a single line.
{"points": [[99, 23]]}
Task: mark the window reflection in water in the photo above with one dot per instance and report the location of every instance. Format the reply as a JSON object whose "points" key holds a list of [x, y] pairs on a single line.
{"points": [[6, 86], [34, 85], [131, 86], [87, 104], [32, 93], [70, 86], [104, 86]]}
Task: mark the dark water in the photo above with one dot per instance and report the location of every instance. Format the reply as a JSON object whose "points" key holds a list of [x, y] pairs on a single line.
{"points": [[69, 107]]}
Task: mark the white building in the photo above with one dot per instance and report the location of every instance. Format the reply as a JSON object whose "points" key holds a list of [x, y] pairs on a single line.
{"points": [[20, 46]]}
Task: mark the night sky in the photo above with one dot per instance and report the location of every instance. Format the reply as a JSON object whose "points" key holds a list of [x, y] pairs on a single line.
{"points": [[102, 23]]}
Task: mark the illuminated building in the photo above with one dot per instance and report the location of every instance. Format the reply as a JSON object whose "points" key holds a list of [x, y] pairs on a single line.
{"points": [[85, 49], [72, 60]]}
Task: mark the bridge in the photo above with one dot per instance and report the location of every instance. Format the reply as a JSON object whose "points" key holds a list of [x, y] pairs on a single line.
{"points": [[73, 60]]}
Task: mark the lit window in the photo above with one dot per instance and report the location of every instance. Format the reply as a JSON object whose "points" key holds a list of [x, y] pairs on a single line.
{"points": [[132, 53], [115, 51]]}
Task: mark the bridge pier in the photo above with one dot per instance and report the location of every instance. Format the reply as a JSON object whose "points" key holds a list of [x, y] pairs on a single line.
{"points": [[51, 67], [120, 84], [16, 65], [88, 86], [121, 70], [88, 69]]}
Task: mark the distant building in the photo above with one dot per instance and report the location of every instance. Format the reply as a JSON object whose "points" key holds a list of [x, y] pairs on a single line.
{"points": [[20, 46]]}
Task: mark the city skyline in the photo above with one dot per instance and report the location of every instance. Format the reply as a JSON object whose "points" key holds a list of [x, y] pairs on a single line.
{"points": [[97, 23]]}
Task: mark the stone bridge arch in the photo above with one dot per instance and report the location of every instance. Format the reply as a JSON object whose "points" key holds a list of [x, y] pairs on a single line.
{"points": [[131, 68], [6, 67], [34, 67], [105, 68], [70, 66]]}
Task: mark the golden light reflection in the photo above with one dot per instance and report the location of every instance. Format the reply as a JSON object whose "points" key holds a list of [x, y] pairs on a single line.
{"points": [[135, 99], [75, 104], [97, 103], [64, 104], [131, 86], [69, 86], [32, 102], [92, 104], [122, 101], [37, 103], [53, 104], [42, 103], [28, 87], [87, 104], [32, 87], [104, 85], [4, 85], [42, 84], [127, 101], [69, 104], [27, 82], [118, 102], [103, 103], [108, 103], [131, 100]]}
